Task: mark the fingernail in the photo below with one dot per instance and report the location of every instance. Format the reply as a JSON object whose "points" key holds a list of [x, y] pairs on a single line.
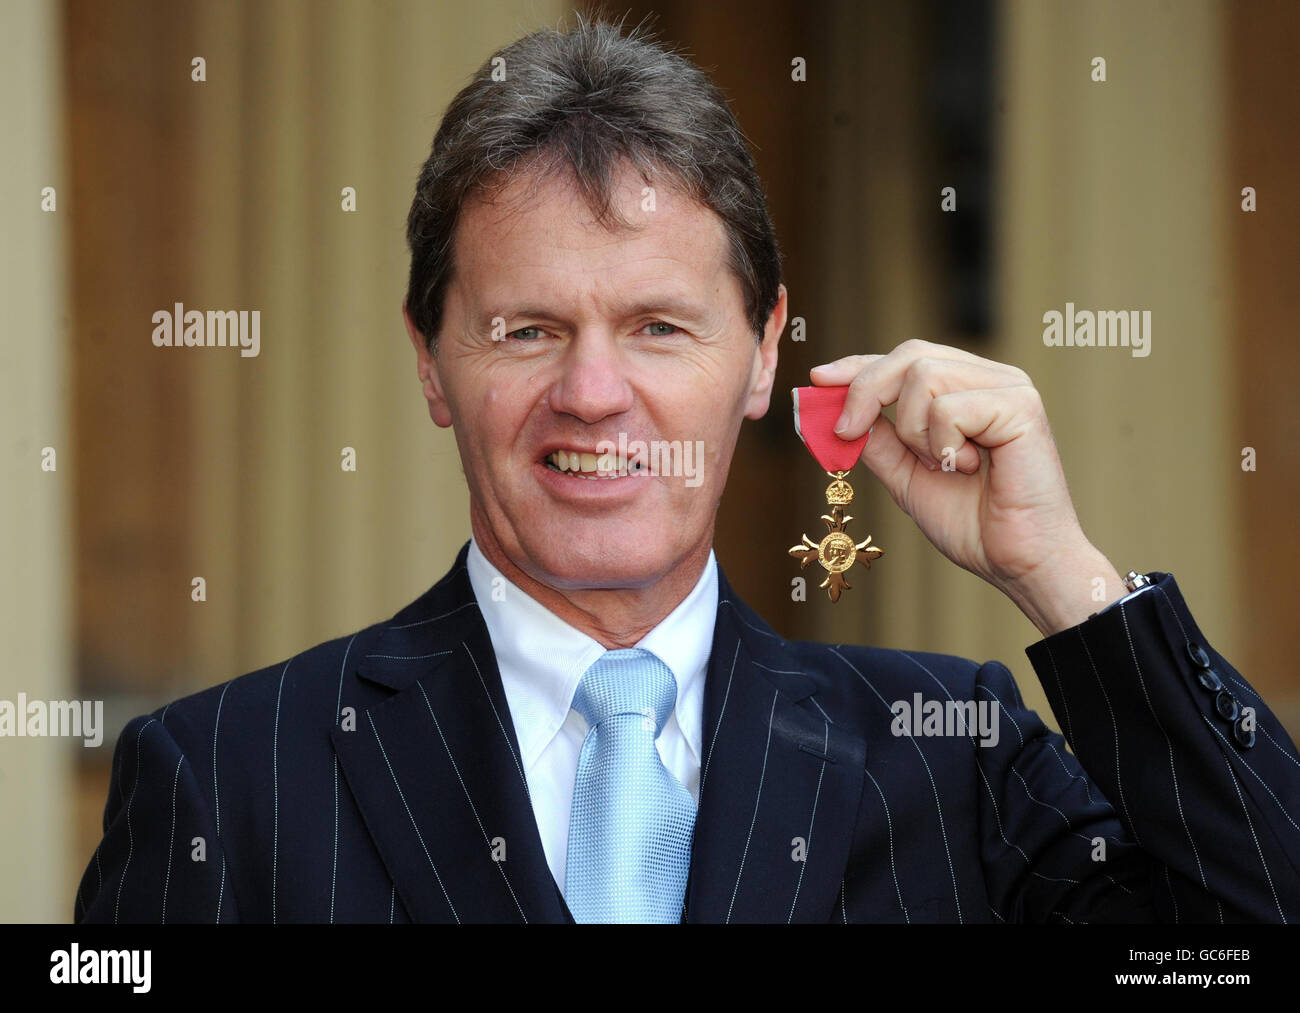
{"points": [[842, 425]]}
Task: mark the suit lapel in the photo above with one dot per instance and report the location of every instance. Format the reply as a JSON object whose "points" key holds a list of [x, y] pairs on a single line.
{"points": [[779, 785], [435, 769]]}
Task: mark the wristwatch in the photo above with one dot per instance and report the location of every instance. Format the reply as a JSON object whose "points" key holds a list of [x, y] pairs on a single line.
{"points": [[1136, 584], [1134, 581]]}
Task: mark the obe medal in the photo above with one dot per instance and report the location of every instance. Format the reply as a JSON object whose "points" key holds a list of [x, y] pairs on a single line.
{"points": [[816, 410]]}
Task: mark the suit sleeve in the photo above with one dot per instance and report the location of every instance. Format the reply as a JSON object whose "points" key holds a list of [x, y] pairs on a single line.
{"points": [[160, 859], [1181, 801]]}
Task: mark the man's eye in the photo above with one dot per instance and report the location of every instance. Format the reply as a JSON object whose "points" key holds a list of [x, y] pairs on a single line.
{"points": [[526, 333], [533, 333]]}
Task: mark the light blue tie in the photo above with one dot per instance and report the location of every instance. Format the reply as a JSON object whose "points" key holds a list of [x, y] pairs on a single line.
{"points": [[631, 823]]}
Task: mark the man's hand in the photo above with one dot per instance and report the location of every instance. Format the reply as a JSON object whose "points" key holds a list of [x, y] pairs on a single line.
{"points": [[971, 459]]}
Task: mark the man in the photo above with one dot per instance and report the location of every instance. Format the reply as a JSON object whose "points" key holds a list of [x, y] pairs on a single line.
{"points": [[581, 720]]}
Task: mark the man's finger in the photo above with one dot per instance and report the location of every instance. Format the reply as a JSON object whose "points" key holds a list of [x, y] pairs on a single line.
{"points": [[989, 418], [927, 379], [889, 460], [880, 383], [841, 371]]}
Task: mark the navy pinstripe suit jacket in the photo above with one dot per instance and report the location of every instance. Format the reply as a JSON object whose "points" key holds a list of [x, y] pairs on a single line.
{"points": [[404, 818]]}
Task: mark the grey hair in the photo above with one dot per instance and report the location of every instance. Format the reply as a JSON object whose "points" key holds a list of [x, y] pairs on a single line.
{"points": [[582, 102]]}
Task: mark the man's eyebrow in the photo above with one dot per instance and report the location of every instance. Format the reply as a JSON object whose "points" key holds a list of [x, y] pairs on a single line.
{"points": [[686, 309], [682, 309]]}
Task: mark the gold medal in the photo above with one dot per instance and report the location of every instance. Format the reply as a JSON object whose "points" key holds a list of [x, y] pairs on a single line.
{"points": [[816, 410], [837, 551]]}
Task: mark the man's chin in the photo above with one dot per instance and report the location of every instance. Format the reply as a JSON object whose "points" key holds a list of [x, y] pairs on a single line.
{"points": [[599, 571], [585, 557]]}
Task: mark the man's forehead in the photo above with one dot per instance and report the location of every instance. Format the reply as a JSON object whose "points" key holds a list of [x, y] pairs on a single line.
{"points": [[530, 215]]}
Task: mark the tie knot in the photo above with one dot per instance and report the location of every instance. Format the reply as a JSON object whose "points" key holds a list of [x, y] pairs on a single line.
{"points": [[626, 681]]}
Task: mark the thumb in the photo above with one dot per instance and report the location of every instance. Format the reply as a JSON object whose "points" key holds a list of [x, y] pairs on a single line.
{"points": [[889, 459]]}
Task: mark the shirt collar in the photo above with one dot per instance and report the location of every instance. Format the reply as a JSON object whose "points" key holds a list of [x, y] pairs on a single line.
{"points": [[541, 658]]}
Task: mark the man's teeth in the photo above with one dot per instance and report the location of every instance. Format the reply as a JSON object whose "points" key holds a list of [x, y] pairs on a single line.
{"points": [[580, 465]]}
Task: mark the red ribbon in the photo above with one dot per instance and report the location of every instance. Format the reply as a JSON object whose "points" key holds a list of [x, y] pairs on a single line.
{"points": [[816, 410]]}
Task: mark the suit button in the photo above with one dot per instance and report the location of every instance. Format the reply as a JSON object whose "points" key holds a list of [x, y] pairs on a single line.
{"points": [[1198, 655], [1226, 704], [1245, 736], [1209, 678]]}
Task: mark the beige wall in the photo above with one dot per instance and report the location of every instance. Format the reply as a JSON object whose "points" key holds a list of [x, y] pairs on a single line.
{"points": [[1111, 196], [35, 627], [1114, 195]]}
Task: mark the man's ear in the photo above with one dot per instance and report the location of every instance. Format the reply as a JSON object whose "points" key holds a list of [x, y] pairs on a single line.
{"points": [[427, 368], [764, 370]]}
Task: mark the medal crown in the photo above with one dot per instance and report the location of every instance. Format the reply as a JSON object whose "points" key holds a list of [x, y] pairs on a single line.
{"points": [[839, 493]]}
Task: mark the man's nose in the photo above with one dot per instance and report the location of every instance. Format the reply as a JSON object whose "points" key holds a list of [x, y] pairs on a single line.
{"points": [[593, 383]]}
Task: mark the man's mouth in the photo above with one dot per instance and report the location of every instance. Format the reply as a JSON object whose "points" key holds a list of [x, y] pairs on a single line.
{"points": [[594, 467]]}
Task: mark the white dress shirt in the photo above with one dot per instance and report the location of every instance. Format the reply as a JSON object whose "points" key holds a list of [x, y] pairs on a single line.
{"points": [[542, 659]]}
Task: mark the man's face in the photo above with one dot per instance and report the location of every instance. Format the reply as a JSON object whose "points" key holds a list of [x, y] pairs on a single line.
{"points": [[601, 339]]}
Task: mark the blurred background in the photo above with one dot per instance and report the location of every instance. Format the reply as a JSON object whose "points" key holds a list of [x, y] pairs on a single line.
{"points": [[227, 192]]}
